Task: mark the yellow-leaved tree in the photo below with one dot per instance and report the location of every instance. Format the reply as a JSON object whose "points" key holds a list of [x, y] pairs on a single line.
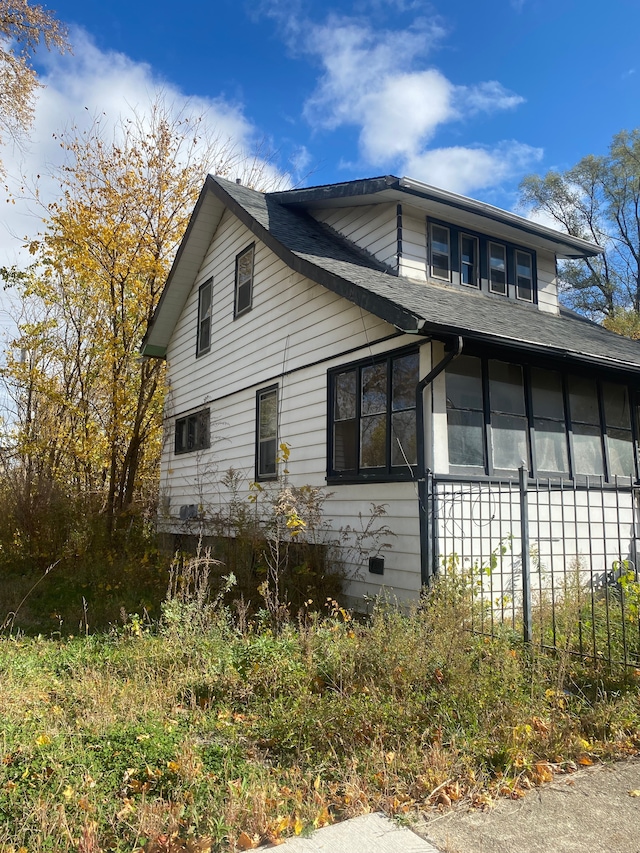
{"points": [[89, 408], [23, 26]]}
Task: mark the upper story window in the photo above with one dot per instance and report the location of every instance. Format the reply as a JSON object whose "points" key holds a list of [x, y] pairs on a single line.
{"points": [[266, 433], [372, 418], [475, 260], [203, 343], [192, 432], [244, 280], [500, 414]]}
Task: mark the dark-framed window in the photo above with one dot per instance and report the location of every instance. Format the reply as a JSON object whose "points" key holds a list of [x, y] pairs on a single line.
{"points": [[192, 432], [477, 260], [203, 343], [267, 433], [372, 418], [244, 280], [501, 413]]}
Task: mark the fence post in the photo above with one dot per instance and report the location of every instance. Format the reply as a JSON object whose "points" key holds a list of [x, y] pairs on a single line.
{"points": [[526, 556]]}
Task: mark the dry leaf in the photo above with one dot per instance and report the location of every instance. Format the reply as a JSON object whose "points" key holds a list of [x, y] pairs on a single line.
{"points": [[584, 760], [635, 793], [245, 842]]}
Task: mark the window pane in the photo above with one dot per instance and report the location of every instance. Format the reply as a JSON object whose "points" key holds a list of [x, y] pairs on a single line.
{"points": [[466, 445], [616, 405], [546, 391], [524, 276], [404, 381], [244, 297], [509, 440], [497, 268], [587, 450], [440, 251], [468, 260], [374, 389], [245, 266], [267, 460], [464, 383], [345, 443], [268, 415], [584, 400], [345, 396], [550, 440], [505, 388], [403, 433], [620, 446], [373, 441]]}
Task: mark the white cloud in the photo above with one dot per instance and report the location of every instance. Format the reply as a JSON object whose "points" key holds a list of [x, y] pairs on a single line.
{"points": [[379, 82], [91, 85], [466, 169]]}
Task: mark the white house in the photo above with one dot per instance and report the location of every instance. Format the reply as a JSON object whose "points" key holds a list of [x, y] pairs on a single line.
{"points": [[409, 346]]}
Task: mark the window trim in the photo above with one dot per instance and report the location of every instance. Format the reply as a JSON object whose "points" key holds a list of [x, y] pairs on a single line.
{"points": [[202, 290], [202, 432], [483, 263], [260, 475], [564, 372], [360, 474], [433, 224], [249, 281]]}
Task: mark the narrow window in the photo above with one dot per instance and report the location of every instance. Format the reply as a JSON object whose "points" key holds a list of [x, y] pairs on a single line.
{"points": [[373, 421], [192, 432], [524, 276], [497, 268], [204, 317], [404, 375], [465, 413], [469, 260], [345, 422], [267, 433], [440, 253], [244, 280], [508, 416]]}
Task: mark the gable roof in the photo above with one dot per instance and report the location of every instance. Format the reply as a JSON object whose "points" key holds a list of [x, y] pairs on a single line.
{"points": [[313, 250]]}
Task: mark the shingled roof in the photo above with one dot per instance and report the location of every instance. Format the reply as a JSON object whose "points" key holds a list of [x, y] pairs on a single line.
{"points": [[440, 310]]}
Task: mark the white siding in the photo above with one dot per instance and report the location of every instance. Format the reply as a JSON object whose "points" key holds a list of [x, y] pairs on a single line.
{"points": [[372, 227], [298, 329], [547, 282], [413, 262]]}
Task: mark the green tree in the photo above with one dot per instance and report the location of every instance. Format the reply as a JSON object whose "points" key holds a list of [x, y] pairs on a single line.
{"points": [[598, 199]]}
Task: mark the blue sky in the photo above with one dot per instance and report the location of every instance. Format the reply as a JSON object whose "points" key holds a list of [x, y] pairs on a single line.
{"points": [[465, 95]]}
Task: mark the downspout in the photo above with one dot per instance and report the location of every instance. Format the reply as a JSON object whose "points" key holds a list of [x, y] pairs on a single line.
{"points": [[453, 348]]}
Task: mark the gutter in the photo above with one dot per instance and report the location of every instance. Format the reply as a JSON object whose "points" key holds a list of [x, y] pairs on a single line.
{"points": [[453, 348]]}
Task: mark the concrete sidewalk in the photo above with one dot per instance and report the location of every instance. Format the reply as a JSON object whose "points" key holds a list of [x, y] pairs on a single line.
{"points": [[371, 833], [595, 810]]}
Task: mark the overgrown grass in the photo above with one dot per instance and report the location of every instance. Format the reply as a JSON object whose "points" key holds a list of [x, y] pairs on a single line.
{"points": [[210, 731]]}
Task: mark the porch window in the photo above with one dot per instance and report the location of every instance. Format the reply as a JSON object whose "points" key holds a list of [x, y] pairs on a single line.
{"points": [[266, 433], [372, 415], [499, 414], [192, 432], [244, 280]]}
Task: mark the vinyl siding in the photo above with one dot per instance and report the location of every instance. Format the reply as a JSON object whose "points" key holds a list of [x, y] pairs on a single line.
{"points": [[372, 227], [293, 325]]}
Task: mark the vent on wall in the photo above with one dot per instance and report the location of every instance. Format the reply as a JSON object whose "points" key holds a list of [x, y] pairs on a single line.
{"points": [[188, 511], [376, 565]]}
